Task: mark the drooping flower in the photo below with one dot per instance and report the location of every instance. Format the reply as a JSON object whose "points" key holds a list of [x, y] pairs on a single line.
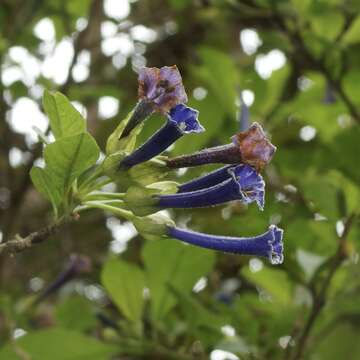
{"points": [[159, 91], [243, 184], [267, 245], [181, 120], [77, 264], [248, 147]]}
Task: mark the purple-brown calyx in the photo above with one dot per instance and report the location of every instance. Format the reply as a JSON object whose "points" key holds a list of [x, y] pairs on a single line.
{"points": [[249, 147], [160, 90], [256, 150], [163, 88]]}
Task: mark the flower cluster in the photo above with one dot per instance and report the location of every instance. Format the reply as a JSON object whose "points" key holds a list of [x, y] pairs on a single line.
{"points": [[239, 179]]}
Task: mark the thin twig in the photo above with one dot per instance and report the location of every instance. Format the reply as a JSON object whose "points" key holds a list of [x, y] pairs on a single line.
{"points": [[19, 244], [319, 299]]}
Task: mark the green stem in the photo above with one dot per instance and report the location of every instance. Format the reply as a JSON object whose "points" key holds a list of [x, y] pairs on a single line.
{"points": [[100, 195], [93, 177], [128, 215]]}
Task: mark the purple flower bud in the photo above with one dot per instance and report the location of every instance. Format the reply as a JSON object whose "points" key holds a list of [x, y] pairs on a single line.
{"points": [[159, 90], [267, 245], [243, 184], [181, 120], [249, 147]]}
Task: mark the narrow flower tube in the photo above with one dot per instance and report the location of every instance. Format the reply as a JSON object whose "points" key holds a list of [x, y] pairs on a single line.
{"points": [[77, 264], [213, 178], [243, 184], [248, 147], [159, 91], [181, 120], [267, 245]]}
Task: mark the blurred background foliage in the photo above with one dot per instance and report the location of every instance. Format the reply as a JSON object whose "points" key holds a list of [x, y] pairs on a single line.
{"points": [[295, 63]]}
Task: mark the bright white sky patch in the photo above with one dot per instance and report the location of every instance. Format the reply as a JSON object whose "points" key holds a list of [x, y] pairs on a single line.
{"points": [[284, 341], [119, 43], [222, 355], [143, 33], [36, 284], [81, 24], [200, 284], [117, 9], [307, 133], [27, 67], [108, 106], [18, 333], [266, 64], [108, 29], [119, 60], [121, 233], [248, 97], [80, 108], [56, 66], [138, 62], [17, 157], [255, 265], [11, 74], [200, 93], [45, 29], [250, 41], [228, 330], [81, 69], [24, 115], [340, 228]]}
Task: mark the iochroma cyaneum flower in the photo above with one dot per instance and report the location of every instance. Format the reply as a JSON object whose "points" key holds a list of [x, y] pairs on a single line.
{"points": [[248, 153]]}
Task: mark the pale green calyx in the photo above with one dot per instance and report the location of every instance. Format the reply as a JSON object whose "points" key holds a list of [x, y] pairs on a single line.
{"points": [[143, 200], [155, 224]]}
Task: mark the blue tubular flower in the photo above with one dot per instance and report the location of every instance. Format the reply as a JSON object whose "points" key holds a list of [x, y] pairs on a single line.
{"points": [[244, 184], [181, 120], [267, 245], [213, 178]]}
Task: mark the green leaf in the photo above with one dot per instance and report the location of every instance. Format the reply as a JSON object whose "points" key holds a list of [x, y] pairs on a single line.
{"points": [[44, 184], [85, 318], [221, 75], [58, 344], [68, 157], [341, 343], [328, 24], [274, 282], [169, 262], [125, 284], [323, 197], [346, 150], [309, 262], [65, 120]]}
